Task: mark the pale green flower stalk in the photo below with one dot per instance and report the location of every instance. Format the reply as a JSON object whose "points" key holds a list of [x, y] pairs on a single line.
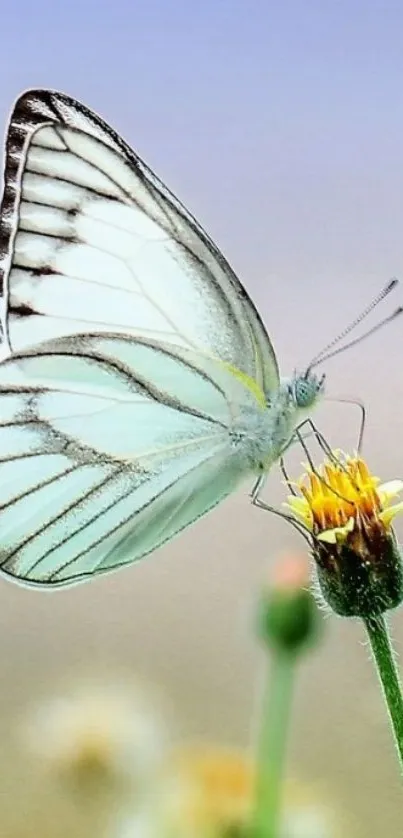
{"points": [[348, 516], [385, 662], [288, 625]]}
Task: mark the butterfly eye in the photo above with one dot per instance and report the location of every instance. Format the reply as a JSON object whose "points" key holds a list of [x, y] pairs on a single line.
{"points": [[307, 388]]}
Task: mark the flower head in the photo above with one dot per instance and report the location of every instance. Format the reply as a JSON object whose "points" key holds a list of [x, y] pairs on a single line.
{"points": [[211, 796], [343, 496], [99, 733], [349, 514]]}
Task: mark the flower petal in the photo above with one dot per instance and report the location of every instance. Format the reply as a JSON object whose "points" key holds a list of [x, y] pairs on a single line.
{"points": [[337, 533], [389, 490], [300, 507], [387, 515]]}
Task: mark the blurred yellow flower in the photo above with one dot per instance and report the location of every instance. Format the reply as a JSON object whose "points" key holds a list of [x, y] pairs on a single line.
{"points": [[209, 795], [219, 784]]}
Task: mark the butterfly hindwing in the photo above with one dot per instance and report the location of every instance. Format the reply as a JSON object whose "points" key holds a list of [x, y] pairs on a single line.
{"points": [[98, 467]]}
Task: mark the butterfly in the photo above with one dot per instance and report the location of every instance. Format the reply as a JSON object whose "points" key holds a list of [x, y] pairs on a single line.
{"points": [[138, 386]]}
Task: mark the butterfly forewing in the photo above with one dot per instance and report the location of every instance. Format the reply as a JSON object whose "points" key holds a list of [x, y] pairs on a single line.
{"points": [[90, 239]]}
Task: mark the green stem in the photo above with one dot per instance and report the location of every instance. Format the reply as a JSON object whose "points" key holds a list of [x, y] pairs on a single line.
{"points": [[384, 657], [272, 745]]}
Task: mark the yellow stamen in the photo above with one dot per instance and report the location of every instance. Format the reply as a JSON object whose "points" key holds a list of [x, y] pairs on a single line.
{"points": [[343, 495]]}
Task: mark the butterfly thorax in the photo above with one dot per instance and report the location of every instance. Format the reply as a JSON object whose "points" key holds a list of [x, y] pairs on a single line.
{"points": [[264, 435]]}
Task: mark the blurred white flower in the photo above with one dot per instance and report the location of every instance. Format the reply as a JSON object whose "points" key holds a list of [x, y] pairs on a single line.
{"points": [[308, 815], [307, 822], [99, 732]]}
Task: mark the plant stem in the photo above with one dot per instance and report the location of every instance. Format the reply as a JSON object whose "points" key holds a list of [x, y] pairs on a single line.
{"points": [[384, 657], [272, 745]]}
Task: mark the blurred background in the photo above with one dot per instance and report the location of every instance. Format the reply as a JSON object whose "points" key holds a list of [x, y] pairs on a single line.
{"points": [[280, 127]]}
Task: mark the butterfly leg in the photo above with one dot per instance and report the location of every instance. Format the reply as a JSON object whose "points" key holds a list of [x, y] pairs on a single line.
{"points": [[321, 439], [257, 501], [363, 420], [261, 480], [287, 480], [304, 531], [327, 450], [362, 408], [323, 443], [258, 486], [361, 431]]}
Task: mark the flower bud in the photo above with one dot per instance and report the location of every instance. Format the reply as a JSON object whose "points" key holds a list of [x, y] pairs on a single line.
{"points": [[288, 614]]}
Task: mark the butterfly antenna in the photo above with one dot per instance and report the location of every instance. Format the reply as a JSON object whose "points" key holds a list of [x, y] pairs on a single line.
{"points": [[354, 342], [325, 353]]}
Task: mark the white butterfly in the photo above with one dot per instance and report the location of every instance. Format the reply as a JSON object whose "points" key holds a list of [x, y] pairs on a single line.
{"points": [[140, 386]]}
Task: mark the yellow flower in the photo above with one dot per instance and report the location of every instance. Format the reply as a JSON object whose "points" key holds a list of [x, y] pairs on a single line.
{"points": [[349, 514], [343, 497], [211, 795], [219, 783]]}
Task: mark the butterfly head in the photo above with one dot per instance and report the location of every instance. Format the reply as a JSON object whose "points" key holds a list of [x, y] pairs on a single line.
{"points": [[306, 389]]}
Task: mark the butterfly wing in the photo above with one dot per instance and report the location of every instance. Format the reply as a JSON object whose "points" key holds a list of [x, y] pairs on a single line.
{"points": [[102, 461], [91, 240]]}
